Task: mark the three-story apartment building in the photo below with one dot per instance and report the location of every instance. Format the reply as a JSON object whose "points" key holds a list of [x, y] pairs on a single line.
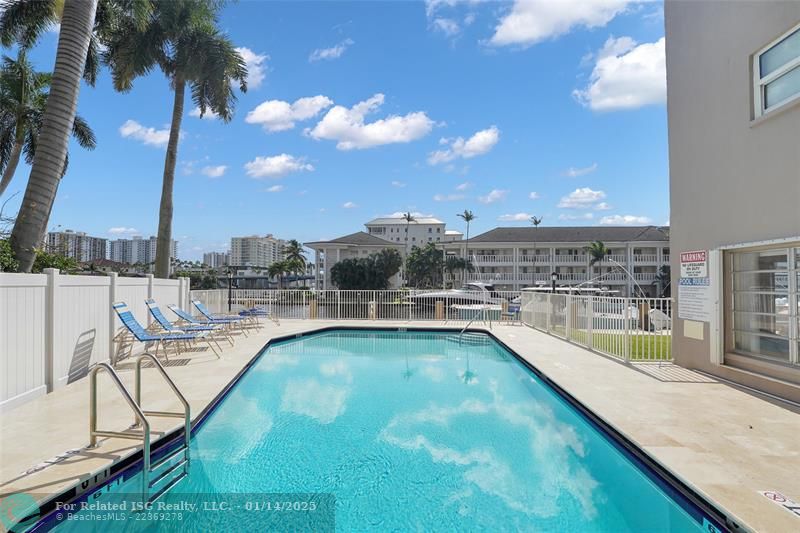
{"points": [[515, 257]]}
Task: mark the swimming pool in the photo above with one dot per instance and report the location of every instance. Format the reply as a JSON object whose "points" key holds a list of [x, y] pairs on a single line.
{"points": [[404, 430]]}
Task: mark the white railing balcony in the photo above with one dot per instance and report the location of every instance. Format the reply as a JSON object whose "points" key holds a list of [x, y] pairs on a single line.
{"points": [[486, 259], [665, 258], [530, 277], [613, 276], [645, 258], [538, 258], [572, 276], [617, 258], [644, 276], [571, 259]]}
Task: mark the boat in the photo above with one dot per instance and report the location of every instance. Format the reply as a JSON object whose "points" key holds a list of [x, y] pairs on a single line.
{"points": [[470, 293]]}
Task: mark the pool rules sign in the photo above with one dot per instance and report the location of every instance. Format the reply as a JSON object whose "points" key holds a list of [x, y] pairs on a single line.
{"points": [[694, 287]]}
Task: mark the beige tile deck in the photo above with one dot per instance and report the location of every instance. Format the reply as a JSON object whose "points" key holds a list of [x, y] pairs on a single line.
{"points": [[724, 442]]}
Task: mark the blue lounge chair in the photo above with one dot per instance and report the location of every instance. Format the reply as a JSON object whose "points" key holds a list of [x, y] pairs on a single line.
{"points": [[186, 320], [220, 319], [160, 339], [166, 325]]}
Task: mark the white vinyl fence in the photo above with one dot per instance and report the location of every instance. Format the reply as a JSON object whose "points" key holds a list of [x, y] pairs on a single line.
{"points": [[366, 305], [54, 327], [630, 329]]}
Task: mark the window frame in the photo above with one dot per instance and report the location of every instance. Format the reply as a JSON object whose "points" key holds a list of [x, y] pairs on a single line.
{"points": [[792, 292], [759, 83]]}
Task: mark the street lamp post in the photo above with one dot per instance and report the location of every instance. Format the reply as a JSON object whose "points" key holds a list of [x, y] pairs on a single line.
{"points": [[554, 278], [230, 288]]}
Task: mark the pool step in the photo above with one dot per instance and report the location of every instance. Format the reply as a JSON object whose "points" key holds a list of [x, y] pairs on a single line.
{"points": [[470, 339], [181, 468]]}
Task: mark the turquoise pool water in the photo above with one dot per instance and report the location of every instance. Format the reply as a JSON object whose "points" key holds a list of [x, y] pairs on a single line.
{"points": [[407, 431]]}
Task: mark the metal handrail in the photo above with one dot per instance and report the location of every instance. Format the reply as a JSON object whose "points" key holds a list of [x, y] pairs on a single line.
{"points": [[186, 415], [138, 413]]}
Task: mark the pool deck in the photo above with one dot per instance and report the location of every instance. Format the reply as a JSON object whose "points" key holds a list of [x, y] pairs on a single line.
{"points": [[725, 442]]}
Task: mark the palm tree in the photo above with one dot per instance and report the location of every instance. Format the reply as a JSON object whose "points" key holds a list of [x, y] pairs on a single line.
{"points": [[535, 221], [663, 280], [467, 216], [277, 270], [77, 22], [183, 41], [598, 252], [295, 256], [23, 95], [409, 218]]}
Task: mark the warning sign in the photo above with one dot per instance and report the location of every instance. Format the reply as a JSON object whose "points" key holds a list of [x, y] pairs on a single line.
{"points": [[694, 264], [695, 300]]}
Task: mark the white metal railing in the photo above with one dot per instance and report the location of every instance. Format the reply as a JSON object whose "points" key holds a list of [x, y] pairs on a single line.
{"points": [[645, 258], [571, 259], [572, 276], [499, 258], [630, 329], [644, 276], [619, 258], [400, 304]]}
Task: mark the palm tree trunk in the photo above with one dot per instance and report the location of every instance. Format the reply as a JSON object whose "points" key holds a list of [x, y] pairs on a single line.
{"points": [[11, 167], [164, 239], [77, 22]]}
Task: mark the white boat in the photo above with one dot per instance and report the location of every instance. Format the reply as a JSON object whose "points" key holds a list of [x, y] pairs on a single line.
{"points": [[470, 293]]}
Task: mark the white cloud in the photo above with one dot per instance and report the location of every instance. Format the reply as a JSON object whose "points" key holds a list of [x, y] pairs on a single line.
{"points": [[447, 26], [626, 76], [277, 115], [584, 216], [276, 166], [122, 230], [480, 143], [573, 172], [214, 171], [463, 186], [534, 195], [533, 21], [149, 136], [494, 196], [334, 52], [256, 69], [208, 115], [624, 220], [347, 126], [276, 188], [602, 206], [582, 198], [349, 205], [447, 197], [398, 184], [515, 217]]}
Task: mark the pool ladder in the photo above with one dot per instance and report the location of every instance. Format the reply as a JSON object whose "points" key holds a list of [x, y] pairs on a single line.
{"points": [[178, 470]]}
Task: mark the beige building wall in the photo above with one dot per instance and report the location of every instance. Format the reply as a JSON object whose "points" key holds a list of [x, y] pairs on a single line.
{"points": [[733, 179]]}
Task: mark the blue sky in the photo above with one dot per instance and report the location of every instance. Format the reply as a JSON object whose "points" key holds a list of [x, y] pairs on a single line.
{"points": [[358, 110]]}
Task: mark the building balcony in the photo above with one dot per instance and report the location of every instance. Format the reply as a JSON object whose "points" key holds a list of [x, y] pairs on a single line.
{"points": [[493, 259], [647, 277], [645, 258], [617, 258], [570, 259]]}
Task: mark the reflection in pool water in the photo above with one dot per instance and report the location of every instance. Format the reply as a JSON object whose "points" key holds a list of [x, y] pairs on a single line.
{"points": [[414, 431]]}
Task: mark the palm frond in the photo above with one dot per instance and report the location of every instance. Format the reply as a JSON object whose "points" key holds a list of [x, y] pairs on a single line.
{"points": [[7, 136], [24, 21], [83, 133], [92, 66]]}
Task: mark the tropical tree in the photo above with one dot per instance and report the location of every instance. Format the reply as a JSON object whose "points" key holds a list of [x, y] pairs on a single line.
{"points": [[455, 264], [409, 218], [597, 252], [367, 273], [23, 94], [181, 39], [22, 22], [277, 270], [424, 266], [467, 216], [58, 119], [295, 257], [663, 281], [535, 221]]}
